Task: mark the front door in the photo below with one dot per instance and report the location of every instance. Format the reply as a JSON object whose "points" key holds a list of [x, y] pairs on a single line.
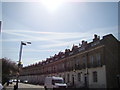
{"points": [[86, 81], [73, 80]]}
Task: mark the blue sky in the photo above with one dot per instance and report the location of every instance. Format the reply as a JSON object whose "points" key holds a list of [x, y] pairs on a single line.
{"points": [[53, 30]]}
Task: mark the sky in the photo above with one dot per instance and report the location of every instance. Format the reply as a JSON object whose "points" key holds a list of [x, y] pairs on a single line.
{"points": [[53, 27]]}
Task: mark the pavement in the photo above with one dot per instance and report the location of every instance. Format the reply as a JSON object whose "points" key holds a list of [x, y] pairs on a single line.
{"points": [[23, 86]]}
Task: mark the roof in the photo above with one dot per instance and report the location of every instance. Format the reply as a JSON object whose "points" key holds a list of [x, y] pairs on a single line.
{"points": [[75, 49]]}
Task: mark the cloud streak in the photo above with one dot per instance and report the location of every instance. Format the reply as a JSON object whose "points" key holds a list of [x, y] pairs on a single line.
{"points": [[30, 50], [55, 39]]}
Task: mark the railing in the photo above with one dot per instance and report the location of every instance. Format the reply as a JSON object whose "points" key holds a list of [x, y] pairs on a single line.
{"points": [[76, 67]]}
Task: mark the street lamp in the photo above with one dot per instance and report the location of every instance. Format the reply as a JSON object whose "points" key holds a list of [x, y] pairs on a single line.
{"points": [[19, 62]]}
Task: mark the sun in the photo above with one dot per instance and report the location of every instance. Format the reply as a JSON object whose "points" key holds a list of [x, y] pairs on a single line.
{"points": [[52, 5]]}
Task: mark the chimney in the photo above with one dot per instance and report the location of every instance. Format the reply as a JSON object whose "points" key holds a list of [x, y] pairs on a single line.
{"points": [[84, 43], [67, 50], [96, 37]]}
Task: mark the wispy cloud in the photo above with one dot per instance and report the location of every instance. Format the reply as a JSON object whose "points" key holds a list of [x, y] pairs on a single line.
{"points": [[41, 50], [60, 35], [56, 39], [69, 43], [27, 37], [8, 50]]}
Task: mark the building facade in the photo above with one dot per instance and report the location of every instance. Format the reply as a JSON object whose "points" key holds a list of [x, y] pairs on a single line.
{"points": [[94, 65]]}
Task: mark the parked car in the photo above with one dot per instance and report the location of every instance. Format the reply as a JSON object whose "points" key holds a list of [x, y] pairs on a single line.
{"points": [[18, 80], [54, 82], [15, 80], [25, 81], [10, 81]]}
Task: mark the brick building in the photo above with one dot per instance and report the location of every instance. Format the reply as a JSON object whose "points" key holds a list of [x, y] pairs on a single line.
{"points": [[95, 65]]}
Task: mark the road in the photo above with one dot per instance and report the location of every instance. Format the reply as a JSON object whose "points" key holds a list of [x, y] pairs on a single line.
{"points": [[22, 86]]}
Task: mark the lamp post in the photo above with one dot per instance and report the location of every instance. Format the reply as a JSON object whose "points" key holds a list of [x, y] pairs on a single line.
{"points": [[19, 62]]}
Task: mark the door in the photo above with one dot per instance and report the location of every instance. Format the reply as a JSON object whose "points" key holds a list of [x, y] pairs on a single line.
{"points": [[73, 80], [85, 81]]}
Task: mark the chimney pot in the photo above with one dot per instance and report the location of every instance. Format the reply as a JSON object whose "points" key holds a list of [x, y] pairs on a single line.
{"points": [[95, 36], [83, 41]]}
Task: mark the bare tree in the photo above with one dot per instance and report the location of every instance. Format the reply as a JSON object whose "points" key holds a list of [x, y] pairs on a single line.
{"points": [[9, 68]]}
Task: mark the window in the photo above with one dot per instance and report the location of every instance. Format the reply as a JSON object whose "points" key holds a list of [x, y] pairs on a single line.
{"points": [[56, 58], [79, 77], [68, 76], [59, 66], [95, 76], [98, 58], [84, 61], [91, 59], [82, 48], [63, 56], [70, 53], [57, 81], [77, 62], [63, 66], [67, 64]]}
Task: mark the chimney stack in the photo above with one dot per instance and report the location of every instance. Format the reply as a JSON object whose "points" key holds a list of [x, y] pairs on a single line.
{"points": [[96, 38], [84, 43]]}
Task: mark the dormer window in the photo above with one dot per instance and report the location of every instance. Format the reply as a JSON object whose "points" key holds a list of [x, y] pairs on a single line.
{"points": [[50, 60], [63, 56], [56, 58], [71, 53], [82, 48], [95, 43]]}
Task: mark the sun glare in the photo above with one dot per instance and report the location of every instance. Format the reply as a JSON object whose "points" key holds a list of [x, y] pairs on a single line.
{"points": [[52, 5]]}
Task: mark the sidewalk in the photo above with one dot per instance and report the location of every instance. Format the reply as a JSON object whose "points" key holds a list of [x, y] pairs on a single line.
{"points": [[10, 87], [22, 86]]}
